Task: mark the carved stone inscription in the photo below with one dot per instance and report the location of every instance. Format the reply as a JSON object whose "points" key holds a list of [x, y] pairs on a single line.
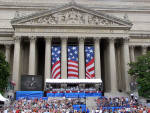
{"points": [[71, 16]]}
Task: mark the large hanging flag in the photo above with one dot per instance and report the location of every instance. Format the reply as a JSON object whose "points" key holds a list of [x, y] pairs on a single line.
{"points": [[73, 62], [89, 58], [56, 62]]}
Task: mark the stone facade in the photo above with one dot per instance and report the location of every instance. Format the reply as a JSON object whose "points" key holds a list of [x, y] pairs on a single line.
{"points": [[118, 34]]}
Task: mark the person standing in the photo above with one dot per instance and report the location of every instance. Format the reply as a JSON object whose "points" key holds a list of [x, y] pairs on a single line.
{"points": [[6, 110]]}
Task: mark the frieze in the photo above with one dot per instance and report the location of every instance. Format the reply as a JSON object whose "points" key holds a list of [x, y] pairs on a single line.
{"points": [[71, 16]]}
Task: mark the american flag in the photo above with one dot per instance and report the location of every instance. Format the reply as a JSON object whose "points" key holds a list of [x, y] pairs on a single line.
{"points": [[73, 62], [56, 62], [89, 57]]}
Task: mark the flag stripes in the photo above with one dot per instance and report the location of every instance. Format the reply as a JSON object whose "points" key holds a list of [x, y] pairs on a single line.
{"points": [[73, 62], [55, 71], [89, 58]]}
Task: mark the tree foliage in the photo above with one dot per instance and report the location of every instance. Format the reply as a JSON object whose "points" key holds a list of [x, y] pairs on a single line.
{"points": [[141, 71], [4, 73]]}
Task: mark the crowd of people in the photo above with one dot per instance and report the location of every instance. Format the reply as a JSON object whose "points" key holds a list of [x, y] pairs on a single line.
{"points": [[52, 105], [120, 105], [65, 105]]}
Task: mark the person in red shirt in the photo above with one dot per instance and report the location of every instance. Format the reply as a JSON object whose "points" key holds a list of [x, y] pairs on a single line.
{"points": [[148, 110], [17, 111]]}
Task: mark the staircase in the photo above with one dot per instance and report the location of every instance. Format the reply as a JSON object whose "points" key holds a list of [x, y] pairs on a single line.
{"points": [[91, 103]]}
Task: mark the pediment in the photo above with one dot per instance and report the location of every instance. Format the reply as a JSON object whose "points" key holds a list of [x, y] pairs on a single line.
{"points": [[71, 14]]}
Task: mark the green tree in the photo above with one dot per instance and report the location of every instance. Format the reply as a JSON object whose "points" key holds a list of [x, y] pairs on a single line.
{"points": [[4, 73], [140, 70]]}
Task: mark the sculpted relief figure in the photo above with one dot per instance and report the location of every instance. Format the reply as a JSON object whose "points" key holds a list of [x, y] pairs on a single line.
{"points": [[59, 18], [80, 18], [97, 21], [51, 20], [40, 20], [73, 17], [90, 19]]}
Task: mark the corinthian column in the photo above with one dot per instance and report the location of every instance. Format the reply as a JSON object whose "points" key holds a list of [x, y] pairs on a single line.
{"points": [[132, 53], [81, 59], [32, 55], [126, 59], [97, 58], [112, 64], [144, 50], [48, 57], [7, 52], [16, 64], [64, 58]]}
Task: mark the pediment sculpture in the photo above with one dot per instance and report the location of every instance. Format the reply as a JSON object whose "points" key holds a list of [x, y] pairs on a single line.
{"points": [[70, 17]]}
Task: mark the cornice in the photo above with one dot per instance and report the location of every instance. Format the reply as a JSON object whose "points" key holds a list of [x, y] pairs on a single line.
{"points": [[44, 6], [6, 32], [139, 34]]}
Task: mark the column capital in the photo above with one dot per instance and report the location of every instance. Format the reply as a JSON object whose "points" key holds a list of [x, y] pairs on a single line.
{"points": [[64, 37], [7, 46], [64, 40], [81, 39], [17, 38], [126, 40], [144, 46], [32, 38], [48, 39], [97, 38], [132, 46], [111, 40]]}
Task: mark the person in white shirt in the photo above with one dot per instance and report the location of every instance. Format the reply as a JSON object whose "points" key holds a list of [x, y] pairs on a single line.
{"points": [[6, 110], [100, 111], [93, 111]]}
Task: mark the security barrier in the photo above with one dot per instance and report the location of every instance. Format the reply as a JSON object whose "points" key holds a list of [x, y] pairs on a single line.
{"points": [[74, 95]]}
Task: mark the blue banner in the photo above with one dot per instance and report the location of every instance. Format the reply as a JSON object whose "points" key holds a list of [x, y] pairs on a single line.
{"points": [[28, 94], [80, 107]]}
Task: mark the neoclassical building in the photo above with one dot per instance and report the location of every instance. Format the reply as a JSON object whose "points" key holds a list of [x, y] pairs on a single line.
{"points": [[117, 32]]}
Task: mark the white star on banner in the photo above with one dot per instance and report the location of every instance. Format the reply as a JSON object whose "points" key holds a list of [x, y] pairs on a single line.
{"points": [[58, 52], [74, 48], [91, 51], [75, 52], [57, 59], [55, 49], [88, 55], [68, 50]]}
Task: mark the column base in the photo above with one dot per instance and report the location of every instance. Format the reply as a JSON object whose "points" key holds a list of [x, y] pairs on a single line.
{"points": [[82, 86], [97, 86], [116, 94], [64, 86]]}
